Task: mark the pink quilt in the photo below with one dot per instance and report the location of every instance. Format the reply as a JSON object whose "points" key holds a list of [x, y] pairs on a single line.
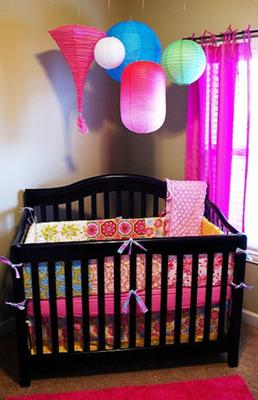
{"points": [[184, 207]]}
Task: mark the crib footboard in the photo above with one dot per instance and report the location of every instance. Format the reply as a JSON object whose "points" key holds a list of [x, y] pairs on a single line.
{"points": [[168, 296]]}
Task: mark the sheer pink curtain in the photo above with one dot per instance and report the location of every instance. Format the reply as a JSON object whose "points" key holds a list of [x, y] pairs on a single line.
{"points": [[213, 145]]}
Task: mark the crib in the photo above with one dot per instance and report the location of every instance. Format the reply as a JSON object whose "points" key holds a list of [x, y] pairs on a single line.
{"points": [[180, 320]]}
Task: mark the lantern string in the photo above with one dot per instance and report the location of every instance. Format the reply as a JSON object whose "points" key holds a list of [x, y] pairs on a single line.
{"points": [[109, 5], [78, 12], [81, 123], [143, 6]]}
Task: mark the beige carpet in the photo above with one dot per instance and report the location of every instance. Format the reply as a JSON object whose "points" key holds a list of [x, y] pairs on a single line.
{"points": [[202, 368]]}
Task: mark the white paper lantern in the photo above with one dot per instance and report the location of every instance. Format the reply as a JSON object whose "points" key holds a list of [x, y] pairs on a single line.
{"points": [[109, 52]]}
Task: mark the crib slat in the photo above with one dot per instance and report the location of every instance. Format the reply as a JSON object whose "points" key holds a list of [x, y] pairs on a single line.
{"points": [[143, 204], [131, 204], [163, 303], [93, 206], [81, 209], [101, 303], [193, 298], [148, 299], [69, 305], [155, 206], [106, 205], [178, 311], [117, 306], [43, 213], [85, 304], [119, 203], [36, 307], [132, 323], [52, 304], [56, 212], [207, 315], [223, 294], [68, 211]]}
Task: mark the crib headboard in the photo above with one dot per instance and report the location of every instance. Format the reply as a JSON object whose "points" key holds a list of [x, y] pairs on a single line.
{"points": [[103, 196], [109, 196]]}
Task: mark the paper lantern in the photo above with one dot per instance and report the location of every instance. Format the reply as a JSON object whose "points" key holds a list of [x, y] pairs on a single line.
{"points": [[77, 43], [143, 97], [184, 61], [109, 52], [140, 41]]}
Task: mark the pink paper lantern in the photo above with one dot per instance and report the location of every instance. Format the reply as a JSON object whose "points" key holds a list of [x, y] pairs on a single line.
{"points": [[77, 43], [143, 97]]}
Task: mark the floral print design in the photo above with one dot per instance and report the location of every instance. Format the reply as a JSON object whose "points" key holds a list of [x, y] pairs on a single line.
{"points": [[92, 230], [125, 274], [70, 231], [125, 228], [108, 229], [49, 232], [60, 231], [102, 229], [139, 227], [140, 330]]}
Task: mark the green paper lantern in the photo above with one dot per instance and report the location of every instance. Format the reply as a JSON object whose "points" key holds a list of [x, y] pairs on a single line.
{"points": [[184, 61]]}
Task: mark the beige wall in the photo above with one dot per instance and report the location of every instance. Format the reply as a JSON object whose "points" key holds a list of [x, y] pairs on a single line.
{"points": [[40, 145]]}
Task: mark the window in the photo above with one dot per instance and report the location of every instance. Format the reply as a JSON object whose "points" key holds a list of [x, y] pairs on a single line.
{"points": [[239, 153]]}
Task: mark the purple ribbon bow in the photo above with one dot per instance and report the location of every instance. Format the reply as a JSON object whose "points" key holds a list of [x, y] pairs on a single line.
{"points": [[6, 261], [130, 243], [20, 306], [241, 285], [139, 300], [248, 257], [31, 219]]}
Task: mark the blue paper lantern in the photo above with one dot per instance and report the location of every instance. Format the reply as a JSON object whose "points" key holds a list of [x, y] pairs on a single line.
{"points": [[141, 44], [184, 61]]}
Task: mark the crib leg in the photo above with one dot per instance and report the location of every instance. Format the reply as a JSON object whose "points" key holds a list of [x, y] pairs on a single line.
{"points": [[236, 311], [23, 351], [233, 358], [24, 377]]}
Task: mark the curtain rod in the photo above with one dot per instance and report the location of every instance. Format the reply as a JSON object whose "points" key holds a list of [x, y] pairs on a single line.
{"points": [[221, 36]]}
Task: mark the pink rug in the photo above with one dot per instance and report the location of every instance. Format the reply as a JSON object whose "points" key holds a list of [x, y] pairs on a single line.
{"points": [[230, 387]]}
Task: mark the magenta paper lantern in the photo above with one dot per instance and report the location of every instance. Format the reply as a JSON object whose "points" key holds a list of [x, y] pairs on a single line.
{"points": [[143, 97], [77, 43]]}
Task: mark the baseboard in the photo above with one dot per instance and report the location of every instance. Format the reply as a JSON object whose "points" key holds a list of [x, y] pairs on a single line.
{"points": [[250, 317], [7, 326]]}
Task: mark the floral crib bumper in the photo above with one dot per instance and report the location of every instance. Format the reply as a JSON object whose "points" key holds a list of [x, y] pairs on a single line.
{"points": [[116, 229]]}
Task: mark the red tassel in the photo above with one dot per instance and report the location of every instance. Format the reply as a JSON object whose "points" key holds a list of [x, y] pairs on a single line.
{"points": [[81, 123]]}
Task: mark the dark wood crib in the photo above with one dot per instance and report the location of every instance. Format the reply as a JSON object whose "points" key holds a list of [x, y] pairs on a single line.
{"points": [[127, 196]]}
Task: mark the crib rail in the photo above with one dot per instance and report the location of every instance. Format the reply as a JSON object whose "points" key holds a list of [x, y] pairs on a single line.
{"points": [[99, 197], [177, 247], [215, 216]]}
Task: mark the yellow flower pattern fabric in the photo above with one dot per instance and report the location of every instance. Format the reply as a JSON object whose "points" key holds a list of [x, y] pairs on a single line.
{"points": [[63, 231]]}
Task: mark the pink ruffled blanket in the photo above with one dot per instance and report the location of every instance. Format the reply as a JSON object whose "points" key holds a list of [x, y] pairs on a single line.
{"points": [[184, 207]]}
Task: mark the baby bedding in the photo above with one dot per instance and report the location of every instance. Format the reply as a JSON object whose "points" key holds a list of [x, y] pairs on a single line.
{"points": [[184, 207], [184, 217], [99, 229], [109, 330]]}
